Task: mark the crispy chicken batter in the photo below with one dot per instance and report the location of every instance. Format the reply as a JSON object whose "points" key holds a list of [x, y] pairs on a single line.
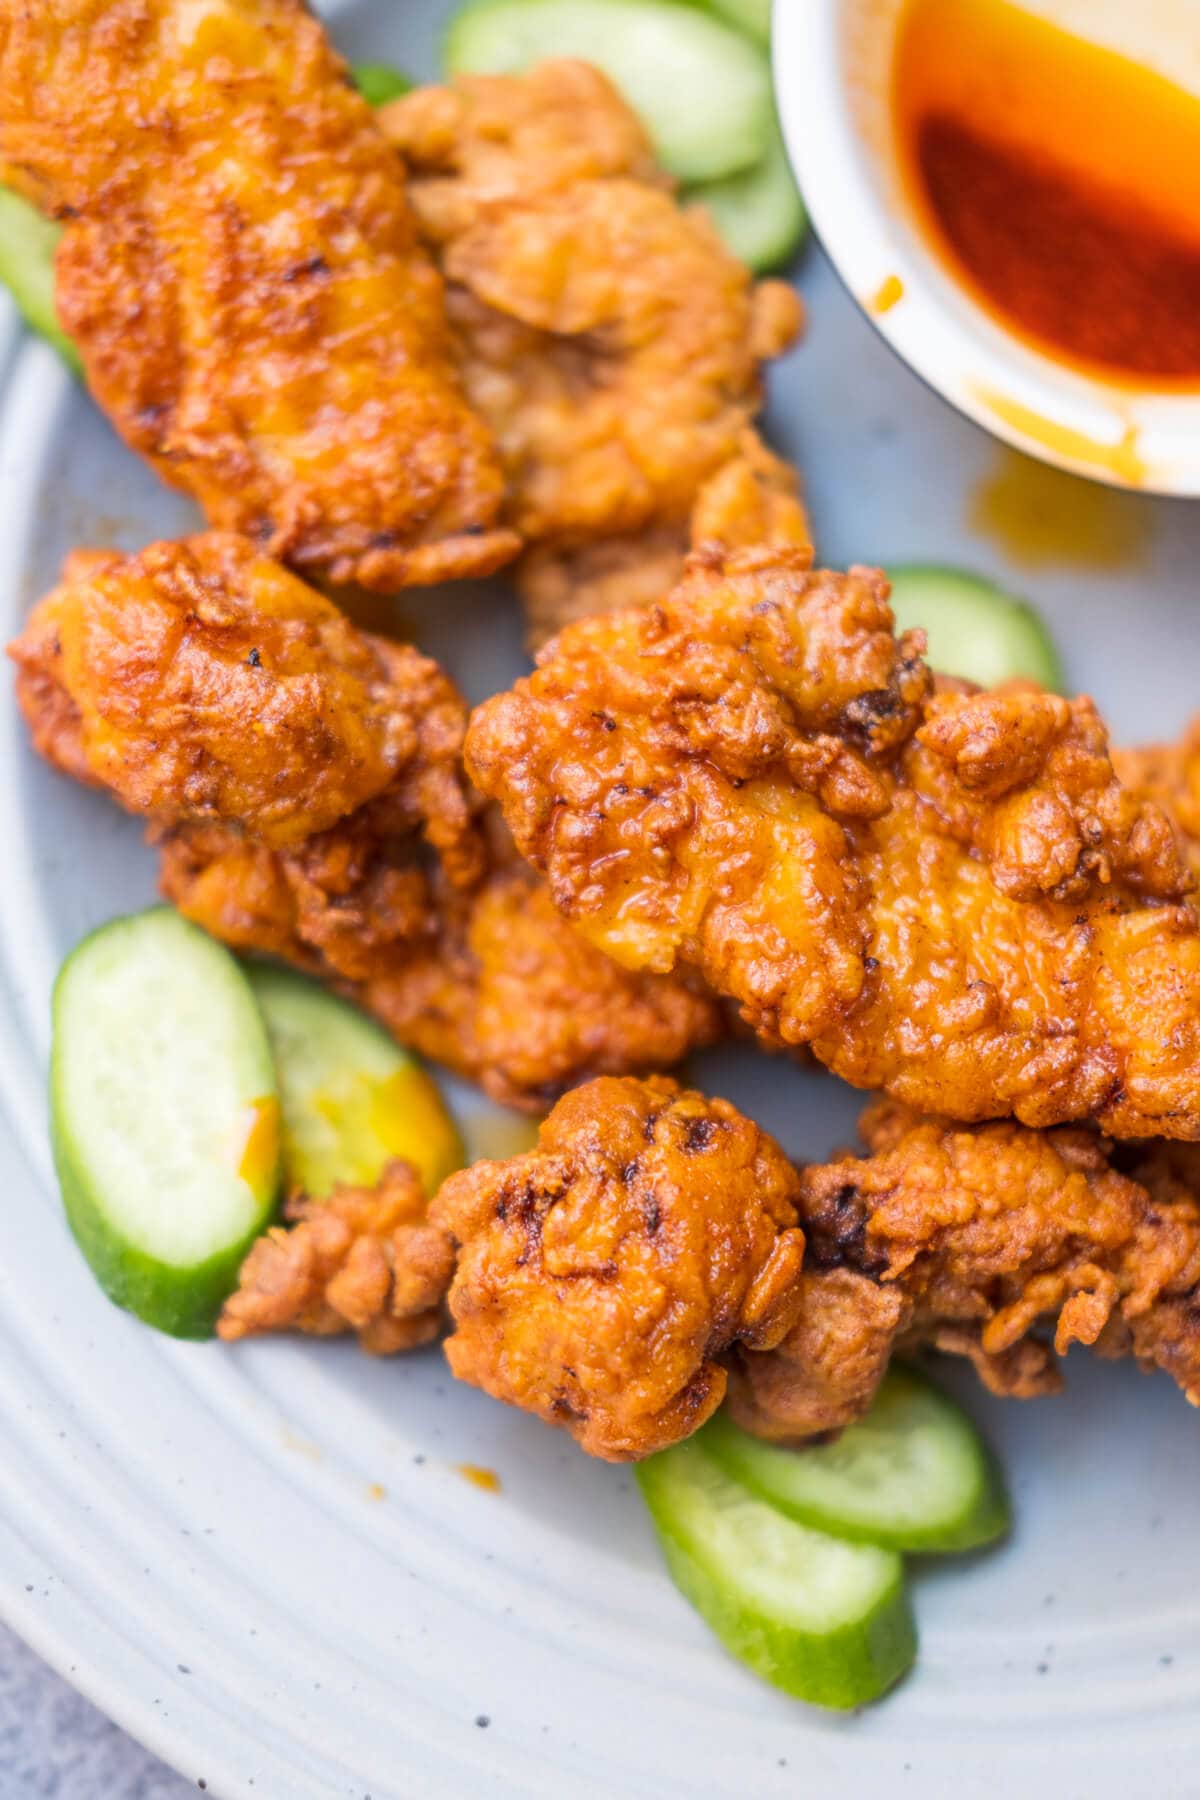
{"points": [[492, 982], [363, 1260], [287, 763], [751, 502], [970, 1240], [601, 1275], [514, 997], [948, 897], [1170, 775], [242, 275], [604, 332], [199, 682]]}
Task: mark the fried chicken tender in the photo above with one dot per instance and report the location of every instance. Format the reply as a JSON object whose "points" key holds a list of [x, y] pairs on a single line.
{"points": [[303, 783], [654, 1242], [200, 682], [602, 1275], [972, 1240], [951, 898], [1170, 775], [363, 1260], [243, 278], [604, 332]]}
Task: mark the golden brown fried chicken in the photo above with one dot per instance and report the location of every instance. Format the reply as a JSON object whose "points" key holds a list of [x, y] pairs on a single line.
{"points": [[242, 275], [201, 683], [606, 1280], [602, 1275], [950, 898], [513, 997], [604, 332], [751, 502], [974, 1241], [363, 1260], [491, 982], [291, 767], [1170, 775]]}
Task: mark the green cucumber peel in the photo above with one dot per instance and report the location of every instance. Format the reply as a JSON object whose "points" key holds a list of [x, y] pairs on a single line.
{"points": [[913, 1475], [824, 1620], [379, 82], [164, 1116]]}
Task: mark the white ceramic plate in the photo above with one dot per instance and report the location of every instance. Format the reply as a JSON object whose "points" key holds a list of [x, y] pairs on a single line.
{"points": [[197, 1536]]}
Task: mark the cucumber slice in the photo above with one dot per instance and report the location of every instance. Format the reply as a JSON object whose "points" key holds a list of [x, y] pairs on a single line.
{"points": [[974, 630], [912, 1475], [702, 92], [164, 1116], [351, 1098], [759, 213], [379, 82], [27, 245], [751, 16], [820, 1618]]}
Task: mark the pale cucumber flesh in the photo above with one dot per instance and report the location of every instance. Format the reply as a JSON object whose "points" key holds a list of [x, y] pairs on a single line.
{"points": [[702, 91], [352, 1099], [974, 630], [164, 1115], [759, 213], [913, 1475], [825, 1620]]}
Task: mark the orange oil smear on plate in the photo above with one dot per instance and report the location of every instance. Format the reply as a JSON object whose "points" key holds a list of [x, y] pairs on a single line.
{"points": [[479, 1477], [1041, 517], [1059, 182], [376, 1491], [1119, 460], [302, 1447], [889, 293], [259, 1150]]}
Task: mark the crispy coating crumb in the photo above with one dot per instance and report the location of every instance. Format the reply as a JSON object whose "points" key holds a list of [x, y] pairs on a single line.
{"points": [[1170, 775], [364, 1260], [825, 1373], [242, 275], [974, 1241], [604, 332], [305, 789], [602, 1275], [950, 897]]}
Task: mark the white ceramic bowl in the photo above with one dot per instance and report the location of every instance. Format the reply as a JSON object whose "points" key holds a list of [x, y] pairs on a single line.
{"points": [[832, 66]]}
